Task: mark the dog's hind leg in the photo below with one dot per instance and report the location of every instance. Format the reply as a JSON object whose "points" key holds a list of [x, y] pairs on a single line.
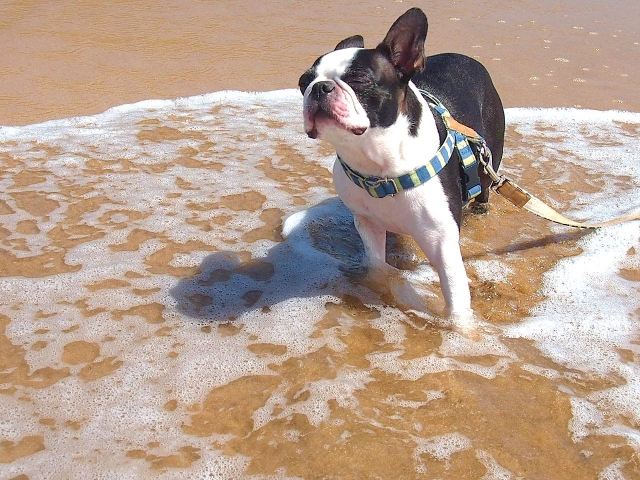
{"points": [[374, 239], [374, 265]]}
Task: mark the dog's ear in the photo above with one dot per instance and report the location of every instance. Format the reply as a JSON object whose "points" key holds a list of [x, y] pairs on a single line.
{"points": [[356, 41], [404, 43]]}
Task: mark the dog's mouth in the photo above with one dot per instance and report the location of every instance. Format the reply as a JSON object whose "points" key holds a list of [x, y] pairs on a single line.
{"points": [[310, 113], [338, 110], [316, 115]]}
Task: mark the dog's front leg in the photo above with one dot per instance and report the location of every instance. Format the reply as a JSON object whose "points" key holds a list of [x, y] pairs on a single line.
{"points": [[442, 249]]}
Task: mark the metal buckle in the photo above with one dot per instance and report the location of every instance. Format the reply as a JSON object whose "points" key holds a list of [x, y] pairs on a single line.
{"points": [[387, 185]]}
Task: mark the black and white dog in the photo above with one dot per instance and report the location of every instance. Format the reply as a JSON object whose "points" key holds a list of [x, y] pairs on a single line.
{"points": [[366, 103]]}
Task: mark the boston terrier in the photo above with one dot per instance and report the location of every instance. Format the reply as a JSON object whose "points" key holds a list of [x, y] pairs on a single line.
{"points": [[367, 104]]}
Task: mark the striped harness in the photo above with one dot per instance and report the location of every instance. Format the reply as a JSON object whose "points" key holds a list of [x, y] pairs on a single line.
{"points": [[458, 137]]}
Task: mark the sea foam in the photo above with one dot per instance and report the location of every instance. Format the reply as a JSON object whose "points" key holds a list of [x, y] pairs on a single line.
{"points": [[198, 243]]}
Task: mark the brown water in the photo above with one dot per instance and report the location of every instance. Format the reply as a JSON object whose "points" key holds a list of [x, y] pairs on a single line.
{"points": [[156, 323]]}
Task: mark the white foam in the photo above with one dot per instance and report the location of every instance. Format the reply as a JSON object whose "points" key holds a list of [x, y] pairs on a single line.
{"points": [[457, 345], [543, 372], [581, 324], [396, 401], [588, 316], [443, 446], [495, 471], [491, 270], [316, 406], [612, 472], [417, 368], [567, 118]]}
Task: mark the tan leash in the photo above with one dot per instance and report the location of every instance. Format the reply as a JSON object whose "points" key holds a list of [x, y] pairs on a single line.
{"points": [[506, 187], [517, 195]]}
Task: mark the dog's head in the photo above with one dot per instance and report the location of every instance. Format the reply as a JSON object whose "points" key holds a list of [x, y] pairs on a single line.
{"points": [[352, 89]]}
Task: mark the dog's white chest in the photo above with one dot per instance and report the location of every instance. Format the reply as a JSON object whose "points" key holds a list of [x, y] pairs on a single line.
{"points": [[408, 212]]}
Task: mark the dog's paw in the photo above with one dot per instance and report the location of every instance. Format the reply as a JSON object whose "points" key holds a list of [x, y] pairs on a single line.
{"points": [[477, 208], [466, 324]]}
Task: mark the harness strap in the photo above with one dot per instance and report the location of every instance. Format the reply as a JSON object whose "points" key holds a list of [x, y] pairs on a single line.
{"points": [[464, 134], [457, 137], [450, 122], [379, 187]]}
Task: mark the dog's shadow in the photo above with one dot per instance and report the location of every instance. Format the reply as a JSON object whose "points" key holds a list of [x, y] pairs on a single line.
{"points": [[318, 257], [318, 243]]}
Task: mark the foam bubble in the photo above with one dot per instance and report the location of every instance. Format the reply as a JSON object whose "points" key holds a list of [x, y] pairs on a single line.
{"points": [[495, 471], [443, 446], [612, 472], [581, 324], [396, 401], [417, 368], [316, 406], [491, 270], [456, 345]]}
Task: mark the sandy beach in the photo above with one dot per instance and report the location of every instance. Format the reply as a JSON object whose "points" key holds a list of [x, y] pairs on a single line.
{"points": [[172, 303], [65, 59]]}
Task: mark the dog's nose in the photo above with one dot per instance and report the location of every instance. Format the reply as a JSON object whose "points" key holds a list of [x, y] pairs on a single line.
{"points": [[321, 89]]}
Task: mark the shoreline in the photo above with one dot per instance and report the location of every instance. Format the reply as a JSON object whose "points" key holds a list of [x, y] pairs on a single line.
{"points": [[67, 60]]}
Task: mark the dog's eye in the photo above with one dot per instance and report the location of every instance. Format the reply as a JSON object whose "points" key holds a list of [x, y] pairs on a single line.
{"points": [[362, 82], [359, 81]]}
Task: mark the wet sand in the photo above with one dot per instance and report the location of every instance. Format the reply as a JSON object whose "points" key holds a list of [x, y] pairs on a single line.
{"points": [[120, 238], [66, 58]]}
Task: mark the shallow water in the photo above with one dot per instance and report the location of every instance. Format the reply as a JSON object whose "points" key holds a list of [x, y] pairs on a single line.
{"points": [[172, 306]]}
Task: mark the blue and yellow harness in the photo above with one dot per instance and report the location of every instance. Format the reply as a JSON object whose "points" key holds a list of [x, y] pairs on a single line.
{"points": [[458, 137]]}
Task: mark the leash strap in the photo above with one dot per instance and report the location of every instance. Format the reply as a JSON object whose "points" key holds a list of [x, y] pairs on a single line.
{"points": [[523, 199], [507, 188], [517, 195]]}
